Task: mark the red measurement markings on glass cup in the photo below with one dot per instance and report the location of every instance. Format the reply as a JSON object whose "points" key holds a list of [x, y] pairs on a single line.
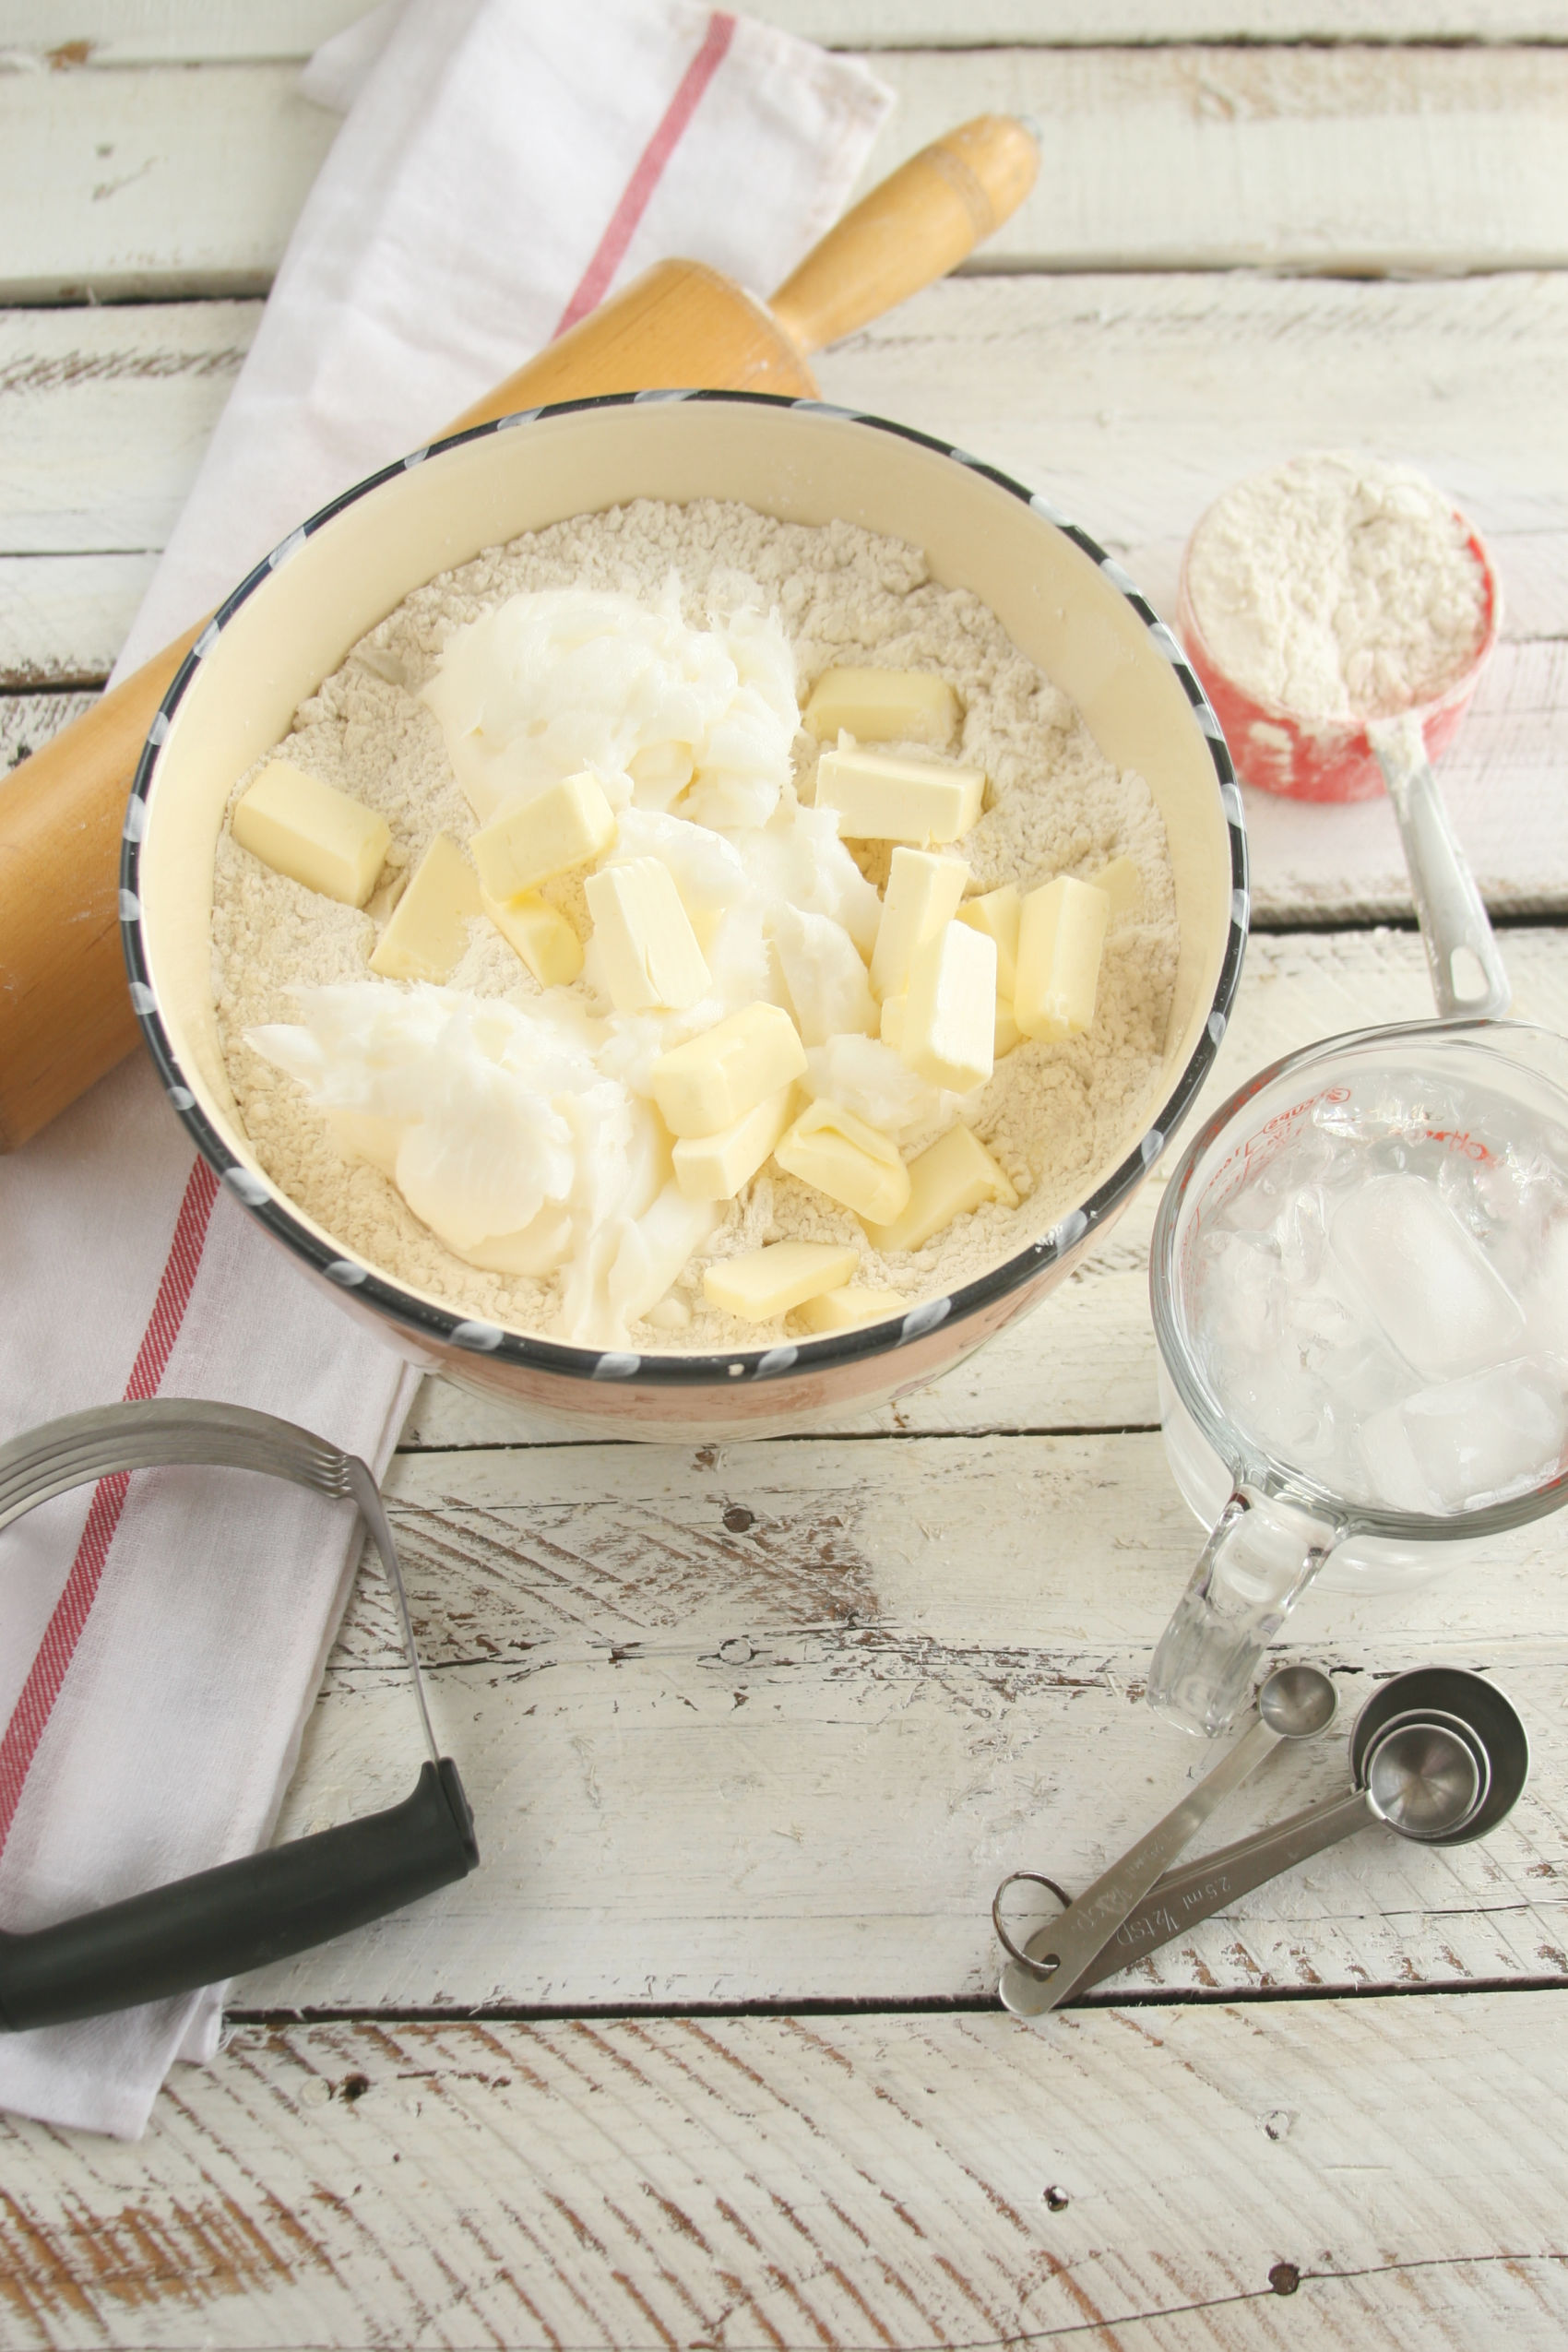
{"points": [[1247, 1159]]}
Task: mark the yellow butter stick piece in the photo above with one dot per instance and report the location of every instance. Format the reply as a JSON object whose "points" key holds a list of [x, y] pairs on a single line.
{"points": [[998, 914], [311, 832], [843, 1156], [764, 1283], [849, 1309], [952, 1175], [714, 1167], [1123, 884], [1061, 937], [567, 825], [879, 796], [883, 707], [950, 1014], [539, 935], [425, 937], [922, 894], [647, 950], [716, 1078]]}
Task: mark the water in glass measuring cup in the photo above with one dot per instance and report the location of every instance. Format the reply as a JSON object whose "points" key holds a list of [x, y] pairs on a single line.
{"points": [[1360, 1287], [1378, 1293]]}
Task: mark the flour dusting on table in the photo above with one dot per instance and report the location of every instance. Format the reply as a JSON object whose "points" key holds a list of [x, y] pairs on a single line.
{"points": [[1051, 1114]]}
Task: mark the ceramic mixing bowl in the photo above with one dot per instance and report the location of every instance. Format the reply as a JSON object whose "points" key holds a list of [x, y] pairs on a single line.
{"points": [[292, 621]]}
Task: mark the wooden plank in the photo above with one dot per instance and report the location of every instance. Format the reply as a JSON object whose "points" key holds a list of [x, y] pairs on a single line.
{"points": [[27, 721], [64, 618], [913, 2182], [136, 32], [104, 415], [152, 180], [769, 1723]]}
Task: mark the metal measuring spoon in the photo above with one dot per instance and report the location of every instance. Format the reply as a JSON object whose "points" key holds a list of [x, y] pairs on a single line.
{"points": [[1443, 1778], [1294, 1702]]}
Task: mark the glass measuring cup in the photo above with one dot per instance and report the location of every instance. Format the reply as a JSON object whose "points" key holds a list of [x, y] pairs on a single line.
{"points": [[1278, 1519]]}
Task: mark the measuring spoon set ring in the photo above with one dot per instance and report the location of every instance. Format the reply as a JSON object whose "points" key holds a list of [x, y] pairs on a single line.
{"points": [[1438, 1755]]}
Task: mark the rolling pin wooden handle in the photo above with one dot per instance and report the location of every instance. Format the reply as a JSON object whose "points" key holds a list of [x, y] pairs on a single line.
{"points": [[920, 223]]}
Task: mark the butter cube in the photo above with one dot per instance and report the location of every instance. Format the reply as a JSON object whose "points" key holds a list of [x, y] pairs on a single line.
{"points": [[998, 915], [311, 832], [714, 1167], [1005, 1033], [895, 1011], [950, 1022], [922, 894], [1123, 884], [1060, 940], [883, 706], [539, 935], [716, 1078], [879, 796], [648, 952], [849, 1309], [767, 1282], [567, 825], [363, 1135], [951, 1175], [427, 933], [830, 1147]]}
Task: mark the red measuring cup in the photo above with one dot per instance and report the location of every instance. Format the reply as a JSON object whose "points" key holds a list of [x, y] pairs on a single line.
{"points": [[1354, 759]]}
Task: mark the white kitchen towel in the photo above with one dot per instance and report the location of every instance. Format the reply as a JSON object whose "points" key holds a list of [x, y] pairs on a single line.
{"points": [[504, 164]]}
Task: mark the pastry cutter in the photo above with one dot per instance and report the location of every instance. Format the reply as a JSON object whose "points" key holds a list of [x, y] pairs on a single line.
{"points": [[199, 1931]]}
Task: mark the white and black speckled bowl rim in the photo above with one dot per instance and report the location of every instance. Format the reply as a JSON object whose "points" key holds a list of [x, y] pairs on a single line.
{"points": [[431, 1323]]}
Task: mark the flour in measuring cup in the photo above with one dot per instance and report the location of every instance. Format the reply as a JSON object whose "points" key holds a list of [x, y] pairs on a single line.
{"points": [[1336, 586], [1381, 1300]]}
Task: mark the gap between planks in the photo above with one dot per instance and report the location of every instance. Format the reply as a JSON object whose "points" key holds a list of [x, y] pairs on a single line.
{"points": [[121, 32]]}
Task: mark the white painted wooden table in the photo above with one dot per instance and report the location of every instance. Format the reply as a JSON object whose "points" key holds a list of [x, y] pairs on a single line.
{"points": [[706, 2053]]}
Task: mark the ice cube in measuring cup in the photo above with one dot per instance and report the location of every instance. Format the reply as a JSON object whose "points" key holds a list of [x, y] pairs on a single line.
{"points": [[1425, 1279], [1470, 1441], [1543, 1290]]}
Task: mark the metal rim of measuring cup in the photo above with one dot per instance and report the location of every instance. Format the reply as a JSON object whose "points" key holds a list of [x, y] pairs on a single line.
{"points": [[1441, 1720], [1279, 1479], [1477, 1703]]}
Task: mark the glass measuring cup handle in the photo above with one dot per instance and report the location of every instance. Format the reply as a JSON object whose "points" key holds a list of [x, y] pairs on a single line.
{"points": [[1254, 1568]]}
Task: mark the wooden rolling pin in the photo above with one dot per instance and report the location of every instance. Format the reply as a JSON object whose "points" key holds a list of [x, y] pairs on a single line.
{"points": [[65, 1012]]}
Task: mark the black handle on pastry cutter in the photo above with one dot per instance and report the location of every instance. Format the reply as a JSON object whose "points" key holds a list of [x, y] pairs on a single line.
{"points": [[265, 1907], [197, 1930]]}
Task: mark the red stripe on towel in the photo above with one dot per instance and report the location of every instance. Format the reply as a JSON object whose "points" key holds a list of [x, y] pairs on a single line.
{"points": [[611, 249], [72, 1610]]}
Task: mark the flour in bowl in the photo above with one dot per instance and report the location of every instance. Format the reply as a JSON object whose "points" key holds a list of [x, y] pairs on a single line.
{"points": [[727, 603], [1336, 586]]}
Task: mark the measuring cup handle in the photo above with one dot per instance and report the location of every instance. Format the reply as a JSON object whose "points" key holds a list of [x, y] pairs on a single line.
{"points": [[1254, 1568], [1449, 907]]}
